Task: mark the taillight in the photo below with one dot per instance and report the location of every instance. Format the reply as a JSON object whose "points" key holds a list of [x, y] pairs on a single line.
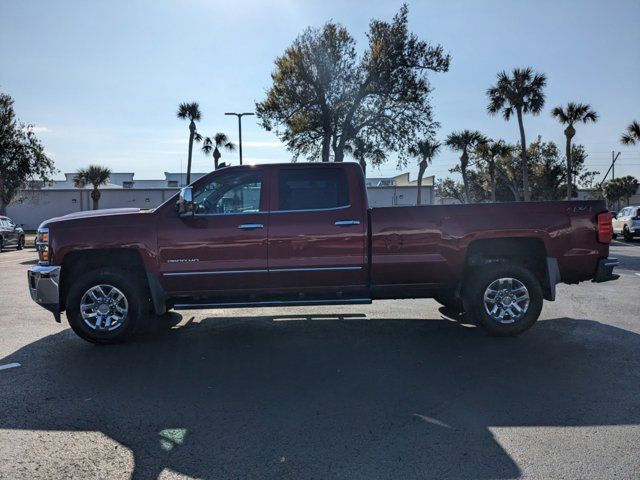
{"points": [[605, 230]]}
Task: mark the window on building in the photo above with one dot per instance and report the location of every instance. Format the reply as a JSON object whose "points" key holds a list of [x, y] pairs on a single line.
{"points": [[312, 189], [172, 183], [127, 184]]}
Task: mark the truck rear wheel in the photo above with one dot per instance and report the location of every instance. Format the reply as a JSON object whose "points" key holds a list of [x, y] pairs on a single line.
{"points": [[506, 299], [105, 305]]}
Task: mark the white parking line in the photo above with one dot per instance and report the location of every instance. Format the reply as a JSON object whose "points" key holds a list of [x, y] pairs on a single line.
{"points": [[9, 365], [637, 274]]}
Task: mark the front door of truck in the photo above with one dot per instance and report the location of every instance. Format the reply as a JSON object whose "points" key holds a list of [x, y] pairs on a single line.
{"points": [[222, 247], [317, 231]]}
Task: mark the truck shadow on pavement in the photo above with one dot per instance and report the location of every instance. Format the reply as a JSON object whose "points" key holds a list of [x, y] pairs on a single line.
{"points": [[326, 396]]}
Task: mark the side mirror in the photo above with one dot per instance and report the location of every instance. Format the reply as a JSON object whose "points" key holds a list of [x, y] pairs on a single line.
{"points": [[185, 204]]}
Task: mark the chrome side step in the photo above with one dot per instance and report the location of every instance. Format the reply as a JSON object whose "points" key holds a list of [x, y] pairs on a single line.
{"points": [[273, 303]]}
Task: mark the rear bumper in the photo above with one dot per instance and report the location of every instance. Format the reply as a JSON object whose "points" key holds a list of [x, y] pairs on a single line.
{"points": [[604, 273], [44, 288]]}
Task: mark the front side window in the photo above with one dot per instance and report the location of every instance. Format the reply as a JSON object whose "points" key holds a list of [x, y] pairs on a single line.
{"points": [[227, 194], [312, 189]]}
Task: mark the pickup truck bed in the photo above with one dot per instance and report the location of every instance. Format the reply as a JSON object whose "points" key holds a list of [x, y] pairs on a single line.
{"points": [[302, 234]]}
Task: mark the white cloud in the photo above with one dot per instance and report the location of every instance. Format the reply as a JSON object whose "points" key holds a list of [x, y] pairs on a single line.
{"points": [[262, 144], [40, 129]]}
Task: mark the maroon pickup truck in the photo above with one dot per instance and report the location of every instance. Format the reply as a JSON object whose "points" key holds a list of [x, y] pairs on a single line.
{"points": [[303, 234]]}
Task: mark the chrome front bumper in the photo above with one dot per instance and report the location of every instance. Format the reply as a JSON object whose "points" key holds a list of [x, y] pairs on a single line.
{"points": [[44, 288]]}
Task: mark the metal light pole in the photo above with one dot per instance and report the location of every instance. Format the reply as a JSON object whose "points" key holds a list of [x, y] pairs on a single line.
{"points": [[240, 115]]}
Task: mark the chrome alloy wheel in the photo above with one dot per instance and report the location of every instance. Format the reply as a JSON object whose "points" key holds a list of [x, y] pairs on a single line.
{"points": [[506, 300], [104, 308]]}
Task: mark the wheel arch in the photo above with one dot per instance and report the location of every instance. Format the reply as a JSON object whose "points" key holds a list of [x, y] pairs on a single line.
{"points": [[529, 252], [77, 262]]}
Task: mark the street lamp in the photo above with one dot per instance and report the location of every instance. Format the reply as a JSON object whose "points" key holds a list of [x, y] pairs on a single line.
{"points": [[240, 115]]}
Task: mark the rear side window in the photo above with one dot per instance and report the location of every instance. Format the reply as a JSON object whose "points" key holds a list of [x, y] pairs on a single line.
{"points": [[312, 188]]}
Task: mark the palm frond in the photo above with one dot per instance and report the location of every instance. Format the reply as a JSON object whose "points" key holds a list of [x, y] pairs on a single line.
{"points": [[632, 134], [92, 175], [189, 111]]}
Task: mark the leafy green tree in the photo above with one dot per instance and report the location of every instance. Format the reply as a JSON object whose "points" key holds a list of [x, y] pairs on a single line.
{"points": [[520, 93], [572, 114], [364, 152], [449, 188], [326, 100], [621, 188], [465, 141], [424, 150], [212, 146], [93, 175], [632, 135], [22, 156], [488, 152], [191, 112]]}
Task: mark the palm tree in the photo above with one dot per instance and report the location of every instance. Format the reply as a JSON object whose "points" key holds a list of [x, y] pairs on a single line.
{"points": [[424, 150], [92, 175], [520, 93], [573, 113], [632, 135], [213, 144], [191, 112], [465, 141], [489, 151]]}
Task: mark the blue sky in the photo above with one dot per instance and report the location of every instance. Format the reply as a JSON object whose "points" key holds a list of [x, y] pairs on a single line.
{"points": [[101, 80]]}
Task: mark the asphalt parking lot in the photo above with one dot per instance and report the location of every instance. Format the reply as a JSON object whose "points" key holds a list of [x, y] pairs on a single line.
{"points": [[390, 390]]}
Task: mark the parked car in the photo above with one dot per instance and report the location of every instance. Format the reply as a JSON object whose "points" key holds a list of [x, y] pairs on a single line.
{"points": [[627, 223], [11, 235], [302, 234]]}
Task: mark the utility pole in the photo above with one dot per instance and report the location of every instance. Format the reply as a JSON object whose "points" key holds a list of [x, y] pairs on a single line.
{"points": [[612, 168], [240, 115]]}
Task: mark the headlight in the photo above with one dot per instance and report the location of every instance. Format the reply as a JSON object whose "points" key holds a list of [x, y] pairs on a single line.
{"points": [[42, 245]]}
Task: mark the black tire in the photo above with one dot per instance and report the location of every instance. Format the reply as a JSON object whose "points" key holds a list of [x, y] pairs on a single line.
{"points": [[627, 235], [450, 301], [1, 244], [134, 291], [474, 294], [20, 243]]}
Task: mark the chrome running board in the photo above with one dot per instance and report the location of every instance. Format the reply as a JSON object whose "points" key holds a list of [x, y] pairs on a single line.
{"points": [[273, 303]]}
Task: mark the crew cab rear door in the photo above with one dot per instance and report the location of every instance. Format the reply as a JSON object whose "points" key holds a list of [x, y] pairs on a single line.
{"points": [[317, 229]]}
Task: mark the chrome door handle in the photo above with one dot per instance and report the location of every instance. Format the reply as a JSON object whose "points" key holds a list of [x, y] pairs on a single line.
{"points": [[343, 223], [250, 226]]}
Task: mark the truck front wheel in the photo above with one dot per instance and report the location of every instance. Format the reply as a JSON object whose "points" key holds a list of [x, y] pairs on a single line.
{"points": [[105, 305], [506, 299]]}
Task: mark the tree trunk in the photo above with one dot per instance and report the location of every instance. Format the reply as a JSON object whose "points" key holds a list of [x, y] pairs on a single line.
{"points": [[523, 155], [492, 178], [569, 132], [192, 131], [464, 160], [3, 208], [95, 196], [422, 168], [326, 145], [363, 165]]}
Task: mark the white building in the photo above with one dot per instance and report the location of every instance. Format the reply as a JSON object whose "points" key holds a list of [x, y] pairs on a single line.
{"points": [[61, 197]]}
